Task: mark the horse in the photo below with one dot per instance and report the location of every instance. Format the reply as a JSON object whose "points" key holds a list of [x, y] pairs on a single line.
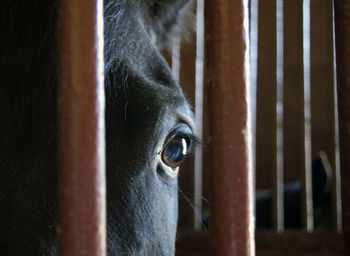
{"points": [[322, 176], [149, 126]]}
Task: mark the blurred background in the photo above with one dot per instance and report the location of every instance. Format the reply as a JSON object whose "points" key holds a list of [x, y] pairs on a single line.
{"points": [[292, 74]]}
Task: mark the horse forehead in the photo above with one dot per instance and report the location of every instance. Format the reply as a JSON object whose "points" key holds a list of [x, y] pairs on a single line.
{"points": [[163, 100]]}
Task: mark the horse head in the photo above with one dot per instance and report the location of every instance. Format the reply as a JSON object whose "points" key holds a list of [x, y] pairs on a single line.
{"points": [[149, 127]]}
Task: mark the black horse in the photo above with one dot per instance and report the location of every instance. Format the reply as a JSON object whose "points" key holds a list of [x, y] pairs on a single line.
{"points": [[149, 127]]}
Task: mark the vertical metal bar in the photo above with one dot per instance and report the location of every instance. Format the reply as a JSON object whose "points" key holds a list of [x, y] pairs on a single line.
{"points": [[198, 157], [279, 116], [254, 37], [309, 222], [342, 40], [227, 72], [81, 138], [338, 190], [338, 197]]}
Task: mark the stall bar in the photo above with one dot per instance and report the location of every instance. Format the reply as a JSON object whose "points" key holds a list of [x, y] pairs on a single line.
{"points": [[227, 48], [81, 145]]}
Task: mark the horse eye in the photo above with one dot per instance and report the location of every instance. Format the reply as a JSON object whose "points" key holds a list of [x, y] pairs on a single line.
{"points": [[175, 151]]}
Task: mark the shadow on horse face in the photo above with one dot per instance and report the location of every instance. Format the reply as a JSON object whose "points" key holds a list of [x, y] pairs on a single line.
{"points": [[149, 129], [146, 112], [142, 188]]}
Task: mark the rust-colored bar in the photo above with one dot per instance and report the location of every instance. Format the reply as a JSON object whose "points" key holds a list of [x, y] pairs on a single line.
{"points": [[81, 146], [342, 43], [228, 84]]}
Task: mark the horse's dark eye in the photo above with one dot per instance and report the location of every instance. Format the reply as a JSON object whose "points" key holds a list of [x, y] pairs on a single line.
{"points": [[175, 151]]}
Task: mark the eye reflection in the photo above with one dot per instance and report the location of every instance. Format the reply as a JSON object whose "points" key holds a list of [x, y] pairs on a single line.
{"points": [[175, 151]]}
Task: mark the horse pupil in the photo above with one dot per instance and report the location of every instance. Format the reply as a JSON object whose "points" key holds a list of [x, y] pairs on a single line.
{"points": [[175, 150]]}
